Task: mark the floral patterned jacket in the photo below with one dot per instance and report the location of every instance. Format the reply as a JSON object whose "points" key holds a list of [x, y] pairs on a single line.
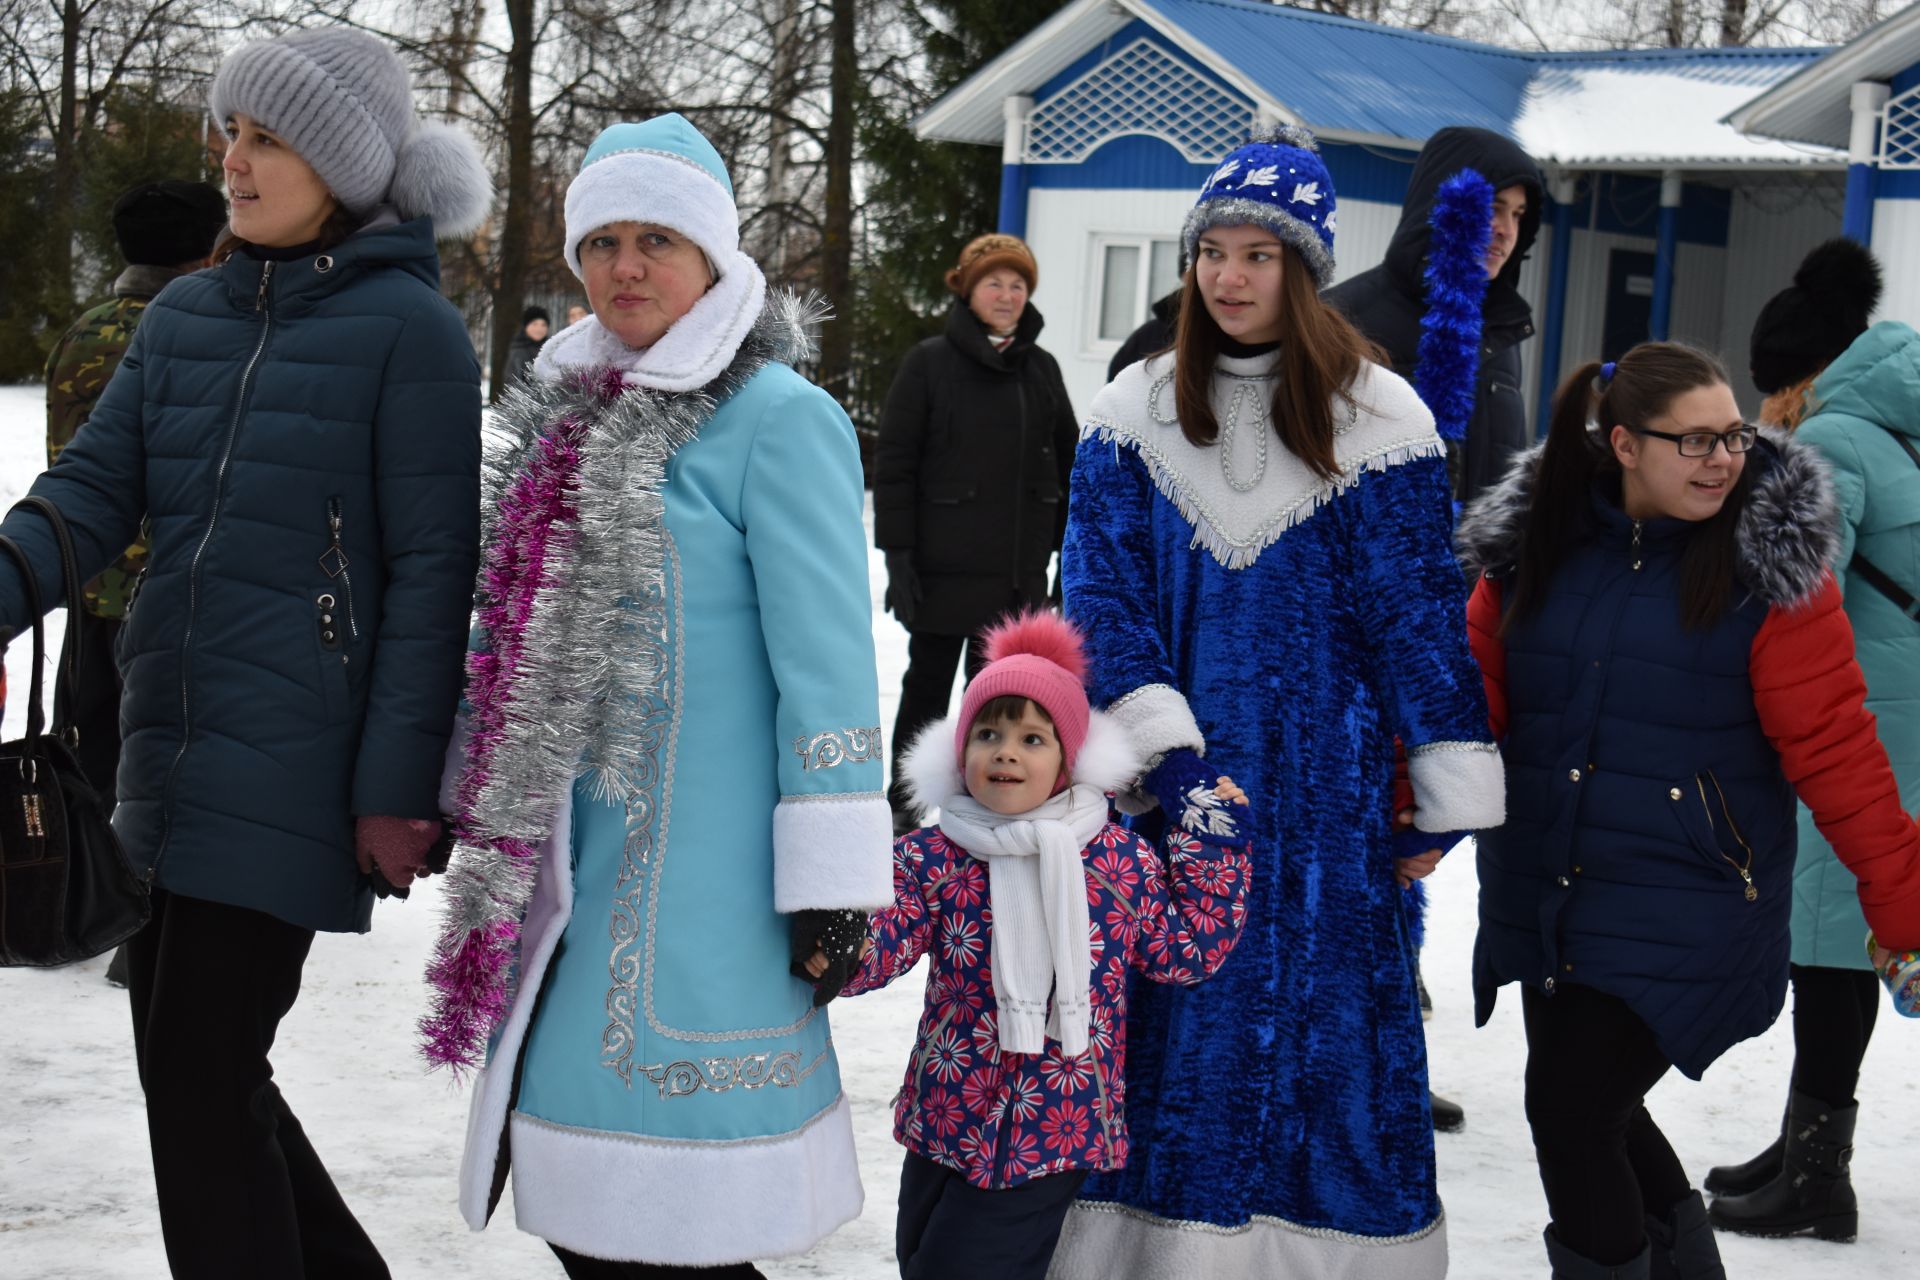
{"points": [[1001, 1119]]}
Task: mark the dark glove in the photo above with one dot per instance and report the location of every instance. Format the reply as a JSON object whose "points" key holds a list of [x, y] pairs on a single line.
{"points": [[837, 933], [1184, 786], [903, 586], [392, 851]]}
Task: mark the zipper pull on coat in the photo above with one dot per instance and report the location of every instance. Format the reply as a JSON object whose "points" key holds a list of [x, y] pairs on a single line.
{"points": [[266, 278]]}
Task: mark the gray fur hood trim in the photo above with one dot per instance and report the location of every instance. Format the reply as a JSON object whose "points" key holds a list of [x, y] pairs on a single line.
{"points": [[1788, 535]]}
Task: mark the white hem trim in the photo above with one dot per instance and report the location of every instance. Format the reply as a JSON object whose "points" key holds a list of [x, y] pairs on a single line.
{"points": [[690, 1204], [1102, 1240]]}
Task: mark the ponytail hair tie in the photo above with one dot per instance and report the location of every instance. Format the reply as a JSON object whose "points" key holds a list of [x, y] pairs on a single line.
{"points": [[1606, 372]]}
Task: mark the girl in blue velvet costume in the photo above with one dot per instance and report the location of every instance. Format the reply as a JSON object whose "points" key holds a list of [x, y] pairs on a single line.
{"points": [[1258, 552]]}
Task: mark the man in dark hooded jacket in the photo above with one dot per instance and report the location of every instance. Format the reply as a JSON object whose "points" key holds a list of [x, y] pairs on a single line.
{"points": [[1387, 303]]}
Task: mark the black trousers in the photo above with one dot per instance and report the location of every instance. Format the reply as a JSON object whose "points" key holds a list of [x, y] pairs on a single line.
{"points": [[1833, 1016], [949, 1229], [242, 1193], [580, 1267], [1604, 1164], [96, 711], [925, 691]]}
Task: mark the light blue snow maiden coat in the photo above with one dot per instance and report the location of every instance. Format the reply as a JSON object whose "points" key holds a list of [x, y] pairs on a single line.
{"points": [[673, 740], [1868, 394]]}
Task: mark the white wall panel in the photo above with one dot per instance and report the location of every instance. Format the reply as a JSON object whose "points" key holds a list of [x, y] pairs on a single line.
{"points": [[1896, 242], [1773, 224]]}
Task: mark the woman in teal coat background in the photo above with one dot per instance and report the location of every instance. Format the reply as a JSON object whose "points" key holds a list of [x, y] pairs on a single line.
{"points": [[1862, 413]]}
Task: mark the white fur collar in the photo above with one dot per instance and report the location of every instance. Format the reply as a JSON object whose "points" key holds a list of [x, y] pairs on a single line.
{"points": [[1385, 425], [695, 351], [1106, 760]]}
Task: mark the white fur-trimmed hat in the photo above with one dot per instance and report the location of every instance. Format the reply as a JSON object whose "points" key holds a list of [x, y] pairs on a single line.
{"points": [[344, 101], [662, 171]]}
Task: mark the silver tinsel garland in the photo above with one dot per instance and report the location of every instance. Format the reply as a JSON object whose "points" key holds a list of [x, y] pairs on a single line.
{"points": [[595, 644]]}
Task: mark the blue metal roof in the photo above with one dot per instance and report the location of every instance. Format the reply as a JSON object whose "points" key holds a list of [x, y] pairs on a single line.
{"points": [[1341, 73]]}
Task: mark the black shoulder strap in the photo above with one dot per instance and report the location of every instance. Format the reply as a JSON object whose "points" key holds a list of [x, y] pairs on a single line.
{"points": [[1876, 577]]}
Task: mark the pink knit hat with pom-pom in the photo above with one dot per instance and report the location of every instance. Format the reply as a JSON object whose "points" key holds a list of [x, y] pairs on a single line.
{"points": [[1036, 655]]}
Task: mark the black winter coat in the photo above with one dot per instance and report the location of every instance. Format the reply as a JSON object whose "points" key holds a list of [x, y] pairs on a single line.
{"points": [[1154, 334], [976, 446], [304, 437], [1387, 302]]}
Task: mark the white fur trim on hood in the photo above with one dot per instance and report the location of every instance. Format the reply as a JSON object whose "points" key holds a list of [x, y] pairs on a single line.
{"points": [[1107, 760]]}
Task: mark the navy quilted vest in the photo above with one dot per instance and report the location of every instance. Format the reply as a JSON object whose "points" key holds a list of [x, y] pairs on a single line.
{"points": [[1639, 784]]}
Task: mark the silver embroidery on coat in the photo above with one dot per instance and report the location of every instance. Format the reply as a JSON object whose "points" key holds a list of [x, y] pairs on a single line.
{"points": [[781, 1069], [649, 798], [849, 746]]}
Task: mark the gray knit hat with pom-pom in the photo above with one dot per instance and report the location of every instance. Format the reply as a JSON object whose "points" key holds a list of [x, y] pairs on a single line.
{"points": [[344, 101]]}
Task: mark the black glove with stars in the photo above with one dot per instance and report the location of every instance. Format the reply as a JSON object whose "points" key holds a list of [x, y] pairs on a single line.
{"points": [[836, 933]]}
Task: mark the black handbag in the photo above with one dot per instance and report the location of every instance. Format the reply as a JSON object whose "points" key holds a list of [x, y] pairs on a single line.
{"points": [[67, 891]]}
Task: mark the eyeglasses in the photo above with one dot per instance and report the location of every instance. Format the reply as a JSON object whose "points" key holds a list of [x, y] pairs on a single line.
{"points": [[1699, 444]]}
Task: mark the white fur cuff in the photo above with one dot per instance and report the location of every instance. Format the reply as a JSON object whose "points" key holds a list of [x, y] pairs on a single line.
{"points": [[1457, 786], [833, 851], [1157, 720]]}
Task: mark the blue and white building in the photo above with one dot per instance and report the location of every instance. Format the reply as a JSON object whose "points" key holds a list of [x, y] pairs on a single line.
{"points": [[1663, 219], [1865, 97]]}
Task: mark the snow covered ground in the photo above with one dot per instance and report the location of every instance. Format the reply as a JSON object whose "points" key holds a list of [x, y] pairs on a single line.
{"points": [[76, 1200]]}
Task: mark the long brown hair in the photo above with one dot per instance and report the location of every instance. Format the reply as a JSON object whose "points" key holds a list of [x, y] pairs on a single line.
{"points": [[1646, 380], [1320, 356], [339, 225]]}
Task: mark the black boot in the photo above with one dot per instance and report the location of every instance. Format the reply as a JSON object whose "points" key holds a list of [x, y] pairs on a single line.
{"points": [[1682, 1243], [1739, 1179], [1568, 1265], [1812, 1192], [1448, 1115]]}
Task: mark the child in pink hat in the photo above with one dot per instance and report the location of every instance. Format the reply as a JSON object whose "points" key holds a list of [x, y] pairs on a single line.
{"points": [[1033, 906]]}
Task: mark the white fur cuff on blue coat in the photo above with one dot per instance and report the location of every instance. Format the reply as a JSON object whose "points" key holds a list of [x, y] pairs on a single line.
{"points": [[1457, 786], [833, 851]]}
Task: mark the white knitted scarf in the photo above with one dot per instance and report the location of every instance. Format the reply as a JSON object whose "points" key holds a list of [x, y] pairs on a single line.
{"points": [[1038, 891]]}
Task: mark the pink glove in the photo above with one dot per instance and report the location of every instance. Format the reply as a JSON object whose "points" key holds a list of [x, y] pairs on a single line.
{"points": [[398, 846]]}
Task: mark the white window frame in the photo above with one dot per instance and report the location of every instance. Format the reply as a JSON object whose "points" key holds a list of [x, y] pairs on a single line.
{"points": [[1098, 242]]}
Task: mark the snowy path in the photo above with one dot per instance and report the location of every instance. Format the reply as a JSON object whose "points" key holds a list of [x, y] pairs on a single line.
{"points": [[76, 1200]]}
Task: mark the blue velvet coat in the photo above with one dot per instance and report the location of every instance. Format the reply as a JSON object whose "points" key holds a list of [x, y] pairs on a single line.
{"points": [[1297, 626]]}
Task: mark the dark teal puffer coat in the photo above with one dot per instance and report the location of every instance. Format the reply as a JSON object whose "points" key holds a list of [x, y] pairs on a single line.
{"points": [[305, 439]]}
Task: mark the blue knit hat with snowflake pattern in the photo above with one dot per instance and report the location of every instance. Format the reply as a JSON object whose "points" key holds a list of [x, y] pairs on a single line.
{"points": [[1277, 181]]}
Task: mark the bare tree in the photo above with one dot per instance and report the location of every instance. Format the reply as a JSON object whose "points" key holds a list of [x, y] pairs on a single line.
{"points": [[70, 58]]}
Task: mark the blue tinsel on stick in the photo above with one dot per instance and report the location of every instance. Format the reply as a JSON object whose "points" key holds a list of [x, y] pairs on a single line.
{"points": [[1456, 276]]}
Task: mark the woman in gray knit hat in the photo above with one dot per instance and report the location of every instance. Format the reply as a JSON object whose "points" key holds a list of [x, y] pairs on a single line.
{"points": [[300, 424]]}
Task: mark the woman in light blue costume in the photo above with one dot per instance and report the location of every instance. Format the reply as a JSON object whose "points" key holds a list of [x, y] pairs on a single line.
{"points": [[673, 768], [1258, 552]]}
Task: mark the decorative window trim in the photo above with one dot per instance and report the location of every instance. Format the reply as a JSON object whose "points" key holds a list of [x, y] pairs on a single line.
{"points": [[1141, 89], [1900, 132]]}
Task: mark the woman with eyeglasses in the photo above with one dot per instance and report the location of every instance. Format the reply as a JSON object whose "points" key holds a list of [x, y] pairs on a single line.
{"points": [[1667, 666]]}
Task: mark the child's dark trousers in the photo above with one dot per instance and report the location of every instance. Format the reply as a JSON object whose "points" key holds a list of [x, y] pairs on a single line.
{"points": [[950, 1229]]}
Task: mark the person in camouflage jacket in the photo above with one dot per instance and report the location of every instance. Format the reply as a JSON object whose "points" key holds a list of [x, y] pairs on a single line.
{"points": [[165, 229]]}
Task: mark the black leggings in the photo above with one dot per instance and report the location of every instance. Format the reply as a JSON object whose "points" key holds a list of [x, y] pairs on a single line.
{"points": [[1833, 1014], [1604, 1163], [242, 1191], [580, 1267]]}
